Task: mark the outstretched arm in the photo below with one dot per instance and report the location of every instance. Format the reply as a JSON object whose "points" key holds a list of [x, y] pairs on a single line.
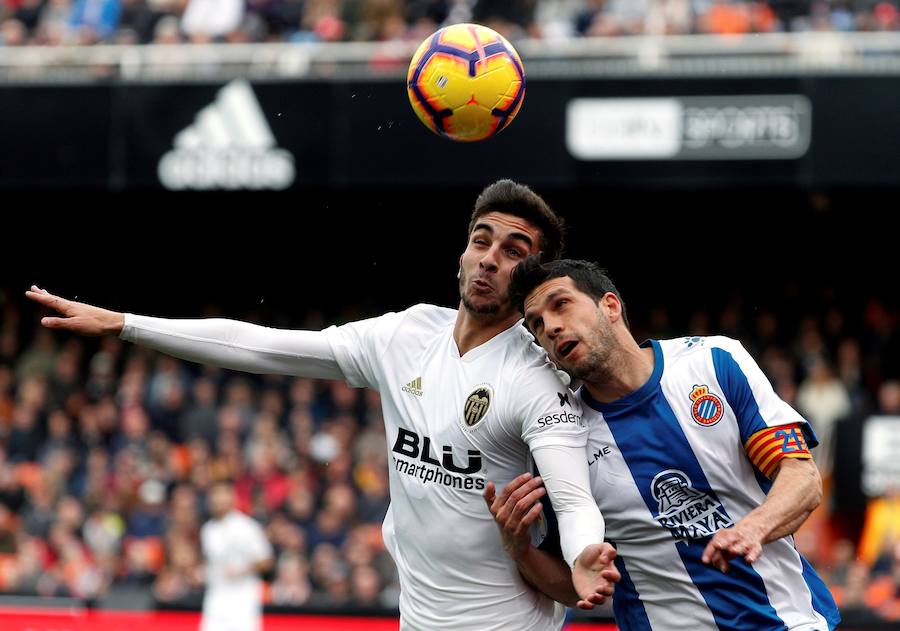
{"points": [[226, 343], [77, 316]]}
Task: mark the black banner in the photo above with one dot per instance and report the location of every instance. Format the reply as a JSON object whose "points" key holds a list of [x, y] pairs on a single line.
{"points": [[665, 134]]}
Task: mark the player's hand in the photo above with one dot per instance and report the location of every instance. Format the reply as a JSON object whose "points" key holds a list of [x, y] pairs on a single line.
{"points": [[514, 510], [595, 575], [744, 539], [78, 317]]}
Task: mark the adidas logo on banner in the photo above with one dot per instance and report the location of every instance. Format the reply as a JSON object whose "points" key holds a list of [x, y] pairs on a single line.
{"points": [[414, 387], [229, 146]]}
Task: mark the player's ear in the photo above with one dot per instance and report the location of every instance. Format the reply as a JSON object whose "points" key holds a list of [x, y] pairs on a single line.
{"points": [[610, 303]]}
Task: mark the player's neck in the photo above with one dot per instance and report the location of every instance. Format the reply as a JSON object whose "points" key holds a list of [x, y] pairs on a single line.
{"points": [[632, 368], [473, 330]]}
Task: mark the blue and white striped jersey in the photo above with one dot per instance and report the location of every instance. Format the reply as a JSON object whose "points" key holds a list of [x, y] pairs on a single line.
{"points": [[669, 469]]}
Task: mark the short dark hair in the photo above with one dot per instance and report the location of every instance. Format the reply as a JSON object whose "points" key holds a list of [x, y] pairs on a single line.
{"points": [[511, 198], [589, 278]]}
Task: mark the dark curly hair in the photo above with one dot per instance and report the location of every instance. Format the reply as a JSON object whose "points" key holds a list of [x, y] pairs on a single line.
{"points": [[511, 198], [589, 278]]}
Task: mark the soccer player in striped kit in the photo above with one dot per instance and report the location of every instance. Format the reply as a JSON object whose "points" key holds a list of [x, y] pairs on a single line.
{"points": [[701, 471]]}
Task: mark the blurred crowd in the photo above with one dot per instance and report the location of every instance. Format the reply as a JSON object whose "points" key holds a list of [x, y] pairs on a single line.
{"points": [[54, 22], [107, 450]]}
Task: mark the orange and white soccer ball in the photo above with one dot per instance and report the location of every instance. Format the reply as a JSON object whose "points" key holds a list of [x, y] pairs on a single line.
{"points": [[466, 82]]}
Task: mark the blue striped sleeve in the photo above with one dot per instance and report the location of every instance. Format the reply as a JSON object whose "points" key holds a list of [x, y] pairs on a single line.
{"points": [[738, 393]]}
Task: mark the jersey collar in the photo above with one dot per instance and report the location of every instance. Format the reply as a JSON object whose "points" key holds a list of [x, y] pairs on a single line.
{"points": [[636, 397], [498, 340]]}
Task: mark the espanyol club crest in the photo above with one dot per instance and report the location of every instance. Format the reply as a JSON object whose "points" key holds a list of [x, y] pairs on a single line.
{"points": [[707, 408]]}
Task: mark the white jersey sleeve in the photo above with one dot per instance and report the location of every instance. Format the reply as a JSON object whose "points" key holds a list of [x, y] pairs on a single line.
{"points": [[550, 414], [748, 391], [236, 345], [258, 546], [553, 429], [361, 347], [565, 474]]}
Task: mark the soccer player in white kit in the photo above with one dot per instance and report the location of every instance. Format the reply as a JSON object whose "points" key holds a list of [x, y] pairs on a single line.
{"points": [[702, 472], [467, 398], [236, 551]]}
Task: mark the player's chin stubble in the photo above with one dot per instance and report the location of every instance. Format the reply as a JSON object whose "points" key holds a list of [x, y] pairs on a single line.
{"points": [[597, 366], [589, 369], [488, 308]]}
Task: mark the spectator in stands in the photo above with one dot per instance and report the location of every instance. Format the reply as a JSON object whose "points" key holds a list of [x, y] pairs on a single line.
{"points": [[37, 358], [851, 597], [8, 545], [849, 370], [139, 18], [6, 388], [726, 17], [94, 21], [206, 21], [823, 399], [291, 585], [365, 586], [13, 32], [883, 595], [183, 561], [148, 517], [26, 12], [378, 19], [25, 437], [103, 533], [200, 417], [167, 31], [329, 573], [12, 495], [59, 434], [142, 560], [24, 575], [322, 20]]}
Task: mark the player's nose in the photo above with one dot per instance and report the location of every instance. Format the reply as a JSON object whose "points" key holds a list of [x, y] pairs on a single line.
{"points": [[553, 326], [489, 260]]}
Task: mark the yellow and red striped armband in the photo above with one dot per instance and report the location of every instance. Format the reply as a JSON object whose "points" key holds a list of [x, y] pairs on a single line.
{"points": [[768, 446]]}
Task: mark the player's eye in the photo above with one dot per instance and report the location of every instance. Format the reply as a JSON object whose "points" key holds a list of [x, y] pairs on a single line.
{"points": [[513, 252]]}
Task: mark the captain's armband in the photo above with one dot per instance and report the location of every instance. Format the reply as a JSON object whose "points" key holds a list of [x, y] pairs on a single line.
{"points": [[767, 447]]}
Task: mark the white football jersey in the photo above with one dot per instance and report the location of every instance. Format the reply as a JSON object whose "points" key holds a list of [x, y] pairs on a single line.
{"points": [[453, 423], [232, 543], [669, 469]]}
